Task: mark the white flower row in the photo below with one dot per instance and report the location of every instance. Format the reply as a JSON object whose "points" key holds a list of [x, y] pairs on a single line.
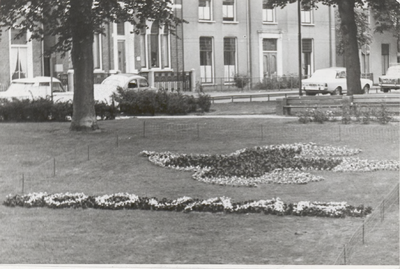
{"points": [[279, 176], [185, 204], [359, 165]]}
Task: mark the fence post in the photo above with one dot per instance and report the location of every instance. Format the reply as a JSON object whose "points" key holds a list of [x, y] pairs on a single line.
{"points": [[363, 232], [291, 83], [117, 141], [193, 79], [344, 253], [88, 152], [151, 78], [144, 129]]}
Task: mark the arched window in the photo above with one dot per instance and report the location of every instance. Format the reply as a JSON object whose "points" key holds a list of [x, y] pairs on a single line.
{"points": [[165, 47], [154, 51], [157, 49]]}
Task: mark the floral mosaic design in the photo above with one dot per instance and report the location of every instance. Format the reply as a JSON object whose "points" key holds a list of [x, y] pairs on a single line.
{"points": [[283, 164]]}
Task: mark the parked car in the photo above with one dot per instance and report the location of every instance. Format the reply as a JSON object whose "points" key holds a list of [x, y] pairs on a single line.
{"points": [[330, 80], [33, 88], [127, 81], [390, 81]]}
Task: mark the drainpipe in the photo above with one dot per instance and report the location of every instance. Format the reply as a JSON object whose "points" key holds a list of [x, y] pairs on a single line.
{"points": [[332, 38], [249, 50], [299, 28], [109, 46], [183, 45]]}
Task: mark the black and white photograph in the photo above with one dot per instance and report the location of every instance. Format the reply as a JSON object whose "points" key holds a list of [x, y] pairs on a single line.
{"points": [[188, 134]]}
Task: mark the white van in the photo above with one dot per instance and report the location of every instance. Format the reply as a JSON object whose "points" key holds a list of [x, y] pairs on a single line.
{"points": [[33, 88]]}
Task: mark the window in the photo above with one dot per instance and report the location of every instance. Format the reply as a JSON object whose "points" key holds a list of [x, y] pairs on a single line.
{"points": [[155, 46], [205, 10], [121, 28], [143, 57], [121, 51], [306, 14], [165, 47], [18, 55], [385, 58], [268, 13], [365, 50], [307, 50], [228, 10], [206, 62], [97, 52], [229, 58], [269, 44]]}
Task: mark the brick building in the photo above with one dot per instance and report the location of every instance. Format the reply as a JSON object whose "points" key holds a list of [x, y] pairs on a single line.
{"points": [[222, 38]]}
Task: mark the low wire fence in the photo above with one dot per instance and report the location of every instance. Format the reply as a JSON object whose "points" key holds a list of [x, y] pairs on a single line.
{"points": [[144, 132], [253, 83], [360, 235], [207, 129]]}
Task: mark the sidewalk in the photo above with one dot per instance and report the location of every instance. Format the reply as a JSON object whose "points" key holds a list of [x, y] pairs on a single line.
{"points": [[205, 116]]}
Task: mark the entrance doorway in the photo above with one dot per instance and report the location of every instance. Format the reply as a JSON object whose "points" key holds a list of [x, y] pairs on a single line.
{"points": [[270, 54], [270, 64]]}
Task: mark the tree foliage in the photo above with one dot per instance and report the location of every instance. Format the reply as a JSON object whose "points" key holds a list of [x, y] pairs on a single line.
{"points": [[57, 18], [387, 16], [74, 23], [364, 35], [386, 12]]}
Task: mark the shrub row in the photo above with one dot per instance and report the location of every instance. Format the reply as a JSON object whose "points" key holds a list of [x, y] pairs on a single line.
{"points": [[131, 103], [42, 109], [347, 114], [161, 101]]}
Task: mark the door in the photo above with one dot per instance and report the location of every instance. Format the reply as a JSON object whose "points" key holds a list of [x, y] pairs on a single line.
{"points": [[121, 56], [269, 64]]}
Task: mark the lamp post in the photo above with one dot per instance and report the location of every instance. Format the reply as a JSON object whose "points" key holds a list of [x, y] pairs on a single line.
{"points": [[299, 25]]}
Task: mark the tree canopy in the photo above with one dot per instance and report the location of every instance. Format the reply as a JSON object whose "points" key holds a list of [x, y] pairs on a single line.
{"points": [[74, 24], [386, 13], [57, 18]]}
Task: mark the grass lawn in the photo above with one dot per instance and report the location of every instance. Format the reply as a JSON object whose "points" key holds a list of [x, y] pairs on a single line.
{"points": [[113, 164]]}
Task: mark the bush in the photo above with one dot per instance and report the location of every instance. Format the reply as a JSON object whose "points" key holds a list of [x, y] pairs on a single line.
{"points": [[150, 102], [61, 111], [241, 80], [276, 83], [348, 114], [105, 111], [382, 114], [204, 102], [42, 109], [178, 104]]}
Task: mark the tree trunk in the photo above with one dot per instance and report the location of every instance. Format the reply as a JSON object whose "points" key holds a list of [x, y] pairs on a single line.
{"points": [[352, 60], [84, 115]]}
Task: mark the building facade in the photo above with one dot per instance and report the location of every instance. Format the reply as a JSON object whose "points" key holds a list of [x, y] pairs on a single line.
{"points": [[222, 38], [246, 37]]}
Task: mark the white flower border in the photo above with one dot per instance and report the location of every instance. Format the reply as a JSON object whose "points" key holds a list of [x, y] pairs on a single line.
{"points": [[186, 204]]}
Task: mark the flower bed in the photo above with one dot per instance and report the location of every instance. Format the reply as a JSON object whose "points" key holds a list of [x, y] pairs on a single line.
{"points": [[117, 201], [283, 164]]}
